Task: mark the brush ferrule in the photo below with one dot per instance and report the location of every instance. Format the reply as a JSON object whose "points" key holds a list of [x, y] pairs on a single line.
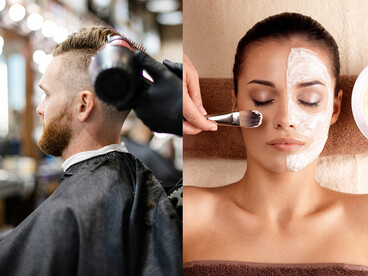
{"points": [[227, 119]]}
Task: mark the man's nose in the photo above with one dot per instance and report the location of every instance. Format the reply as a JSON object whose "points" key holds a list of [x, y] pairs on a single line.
{"points": [[40, 108]]}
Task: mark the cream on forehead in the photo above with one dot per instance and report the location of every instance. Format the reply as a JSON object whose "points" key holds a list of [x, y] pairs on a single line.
{"points": [[304, 65]]}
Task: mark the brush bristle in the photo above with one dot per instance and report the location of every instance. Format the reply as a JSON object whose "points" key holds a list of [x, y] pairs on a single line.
{"points": [[250, 119]]}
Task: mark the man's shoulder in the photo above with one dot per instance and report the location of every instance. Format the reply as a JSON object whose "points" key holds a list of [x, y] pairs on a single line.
{"points": [[114, 177], [48, 221], [101, 169]]}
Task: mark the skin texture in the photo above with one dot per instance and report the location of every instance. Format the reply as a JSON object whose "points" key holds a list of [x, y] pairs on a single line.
{"points": [[82, 127], [272, 215]]}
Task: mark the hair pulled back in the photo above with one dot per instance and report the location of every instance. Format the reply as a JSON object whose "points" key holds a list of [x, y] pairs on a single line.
{"points": [[286, 26]]}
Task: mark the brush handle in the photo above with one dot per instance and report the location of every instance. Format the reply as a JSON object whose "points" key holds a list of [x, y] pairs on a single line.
{"points": [[226, 119]]}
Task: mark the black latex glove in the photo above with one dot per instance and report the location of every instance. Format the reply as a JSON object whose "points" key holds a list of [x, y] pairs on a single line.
{"points": [[175, 67], [161, 105]]}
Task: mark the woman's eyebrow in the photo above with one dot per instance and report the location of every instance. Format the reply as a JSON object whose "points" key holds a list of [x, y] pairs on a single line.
{"points": [[263, 82], [309, 83]]}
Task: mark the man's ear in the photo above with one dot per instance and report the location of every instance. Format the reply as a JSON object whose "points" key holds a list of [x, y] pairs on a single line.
{"points": [[233, 100], [86, 103], [336, 107]]}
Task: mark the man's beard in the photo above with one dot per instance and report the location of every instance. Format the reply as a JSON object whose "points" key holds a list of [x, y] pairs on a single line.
{"points": [[56, 134]]}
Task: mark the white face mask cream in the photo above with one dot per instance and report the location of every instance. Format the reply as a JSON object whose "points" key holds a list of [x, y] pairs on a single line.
{"points": [[304, 65]]}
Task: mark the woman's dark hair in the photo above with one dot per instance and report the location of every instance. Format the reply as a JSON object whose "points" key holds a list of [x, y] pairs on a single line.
{"points": [[286, 25]]}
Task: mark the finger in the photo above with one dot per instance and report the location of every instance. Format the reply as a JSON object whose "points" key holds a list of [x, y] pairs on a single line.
{"points": [[153, 67], [189, 129], [192, 81], [192, 114], [175, 67]]}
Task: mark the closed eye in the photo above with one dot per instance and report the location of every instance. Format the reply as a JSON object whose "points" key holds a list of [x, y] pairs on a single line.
{"points": [[257, 103], [316, 104]]}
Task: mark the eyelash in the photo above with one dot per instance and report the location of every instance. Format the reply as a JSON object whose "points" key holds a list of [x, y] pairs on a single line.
{"points": [[309, 104], [257, 103]]}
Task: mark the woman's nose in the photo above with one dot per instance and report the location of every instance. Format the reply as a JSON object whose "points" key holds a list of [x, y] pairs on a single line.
{"points": [[282, 118]]}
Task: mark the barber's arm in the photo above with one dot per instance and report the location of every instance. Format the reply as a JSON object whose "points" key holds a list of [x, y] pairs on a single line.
{"points": [[160, 106]]}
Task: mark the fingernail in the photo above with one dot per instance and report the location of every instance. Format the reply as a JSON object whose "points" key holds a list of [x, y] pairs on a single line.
{"points": [[214, 128], [204, 112]]}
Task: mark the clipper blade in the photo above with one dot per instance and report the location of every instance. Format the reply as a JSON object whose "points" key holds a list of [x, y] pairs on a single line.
{"points": [[132, 43]]}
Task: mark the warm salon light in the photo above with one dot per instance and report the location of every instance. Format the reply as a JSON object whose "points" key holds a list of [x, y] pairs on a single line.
{"points": [[60, 35], [102, 3], [35, 21], [1, 42], [17, 12], [162, 5], [2, 4], [45, 61], [170, 18], [38, 56], [49, 28]]}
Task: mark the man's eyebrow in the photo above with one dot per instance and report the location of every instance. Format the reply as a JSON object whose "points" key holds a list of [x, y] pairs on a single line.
{"points": [[309, 83], [43, 88], [263, 82]]}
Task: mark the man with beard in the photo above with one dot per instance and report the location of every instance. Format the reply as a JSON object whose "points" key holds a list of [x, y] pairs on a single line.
{"points": [[109, 215]]}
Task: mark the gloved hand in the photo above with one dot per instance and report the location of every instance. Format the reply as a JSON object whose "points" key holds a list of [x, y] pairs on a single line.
{"points": [[160, 106], [175, 67]]}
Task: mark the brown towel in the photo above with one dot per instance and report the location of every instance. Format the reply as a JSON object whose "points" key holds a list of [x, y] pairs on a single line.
{"points": [[226, 268], [227, 142]]}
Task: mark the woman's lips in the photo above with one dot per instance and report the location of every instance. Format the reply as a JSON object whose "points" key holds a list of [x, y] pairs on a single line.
{"points": [[286, 144]]}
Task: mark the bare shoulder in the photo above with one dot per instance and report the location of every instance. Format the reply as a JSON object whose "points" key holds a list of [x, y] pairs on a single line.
{"points": [[199, 212], [355, 208], [204, 203], [199, 201], [355, 202]]}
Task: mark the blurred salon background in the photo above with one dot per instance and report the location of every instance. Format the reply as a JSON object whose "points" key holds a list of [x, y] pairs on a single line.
{"points": [[29, 30]]}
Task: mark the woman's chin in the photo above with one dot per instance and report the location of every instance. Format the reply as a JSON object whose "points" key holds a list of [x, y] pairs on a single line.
{"points": [[273, 166], [277, 168], [280, 165]]}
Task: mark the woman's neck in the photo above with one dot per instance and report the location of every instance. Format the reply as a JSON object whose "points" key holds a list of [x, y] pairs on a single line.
{"points": [[280, 197]]}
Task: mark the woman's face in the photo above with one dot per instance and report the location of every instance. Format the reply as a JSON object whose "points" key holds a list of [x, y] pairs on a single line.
{"points": [[290, 83]]}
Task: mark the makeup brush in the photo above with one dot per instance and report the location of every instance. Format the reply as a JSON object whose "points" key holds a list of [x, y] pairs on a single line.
{"points": [[244, 118]]}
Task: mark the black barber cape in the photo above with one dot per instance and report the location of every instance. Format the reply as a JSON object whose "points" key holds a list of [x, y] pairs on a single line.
{"points": [[109, 216]]}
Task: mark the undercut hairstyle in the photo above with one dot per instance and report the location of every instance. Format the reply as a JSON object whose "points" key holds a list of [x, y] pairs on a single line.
{"points": [[76, 53], [288, 26]]}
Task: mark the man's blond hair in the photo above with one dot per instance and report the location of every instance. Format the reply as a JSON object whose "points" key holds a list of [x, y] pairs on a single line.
{"points": [[76, 53]]}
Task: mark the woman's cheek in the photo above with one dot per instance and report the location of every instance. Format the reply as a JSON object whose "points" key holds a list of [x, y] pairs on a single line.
{"points": [[305, 123]]}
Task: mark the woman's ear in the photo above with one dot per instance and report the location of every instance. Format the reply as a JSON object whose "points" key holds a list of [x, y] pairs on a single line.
{"points": [[336, 107], [233, 99], [86, 103]]}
